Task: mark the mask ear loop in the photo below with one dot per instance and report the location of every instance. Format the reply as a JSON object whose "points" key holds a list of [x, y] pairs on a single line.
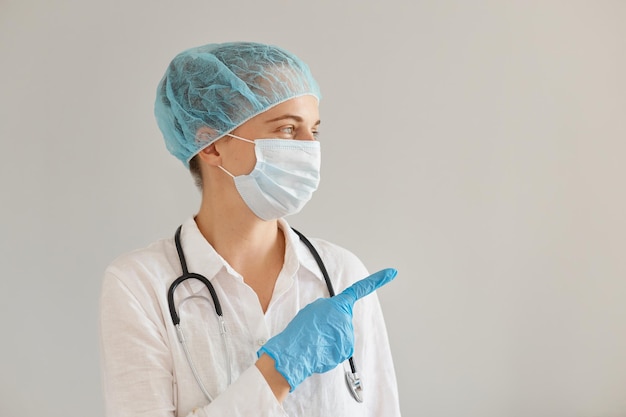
{"points": [[224, 169], [239, 138]]}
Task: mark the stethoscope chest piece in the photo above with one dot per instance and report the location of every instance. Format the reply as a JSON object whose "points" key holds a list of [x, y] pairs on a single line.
{"points": [[354, 386]]}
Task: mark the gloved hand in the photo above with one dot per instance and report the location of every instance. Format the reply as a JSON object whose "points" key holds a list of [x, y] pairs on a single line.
{"points": [[321, 335]]}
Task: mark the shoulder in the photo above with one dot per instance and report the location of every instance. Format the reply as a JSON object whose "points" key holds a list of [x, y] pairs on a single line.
{"points": [[133, 296], [153, 265], [334, 251], [343, 265]]}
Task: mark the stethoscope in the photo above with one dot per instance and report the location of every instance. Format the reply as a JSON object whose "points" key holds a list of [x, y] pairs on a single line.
{"points": [[353, 380]]}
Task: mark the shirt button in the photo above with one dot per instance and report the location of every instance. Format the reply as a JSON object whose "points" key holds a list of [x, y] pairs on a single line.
{"points": [[261, 342]]}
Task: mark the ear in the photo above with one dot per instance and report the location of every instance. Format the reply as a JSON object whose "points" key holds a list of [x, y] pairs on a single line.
{"points": [[211, 155]]}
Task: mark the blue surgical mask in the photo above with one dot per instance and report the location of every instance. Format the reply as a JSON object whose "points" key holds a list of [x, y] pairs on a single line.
{"points": [[283, 180]]}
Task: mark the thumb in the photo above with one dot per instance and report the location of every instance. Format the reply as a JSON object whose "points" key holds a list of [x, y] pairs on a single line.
{"points": [[366, 286]]}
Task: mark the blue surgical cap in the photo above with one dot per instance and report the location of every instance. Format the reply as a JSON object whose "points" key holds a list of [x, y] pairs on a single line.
{"points": [[218, 87]]}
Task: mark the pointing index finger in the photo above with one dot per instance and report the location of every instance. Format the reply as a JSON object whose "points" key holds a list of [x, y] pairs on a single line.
{"points": [[367, 285]]}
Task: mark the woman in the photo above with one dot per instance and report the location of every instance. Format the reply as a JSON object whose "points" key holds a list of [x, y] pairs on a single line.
{"points": [[244, 117]]}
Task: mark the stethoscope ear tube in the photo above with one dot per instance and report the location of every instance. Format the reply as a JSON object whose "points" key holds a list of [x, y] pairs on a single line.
{"points": [[185, 276], [170, 302], [179, 280]]}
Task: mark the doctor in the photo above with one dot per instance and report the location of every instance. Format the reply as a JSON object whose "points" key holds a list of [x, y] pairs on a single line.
{"points": [[244, 118]]}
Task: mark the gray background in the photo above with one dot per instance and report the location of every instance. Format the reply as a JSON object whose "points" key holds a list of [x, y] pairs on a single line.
{"points": [[477, 146]]}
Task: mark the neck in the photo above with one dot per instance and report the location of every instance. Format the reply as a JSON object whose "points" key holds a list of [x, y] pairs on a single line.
{"points": [[249, 244]]}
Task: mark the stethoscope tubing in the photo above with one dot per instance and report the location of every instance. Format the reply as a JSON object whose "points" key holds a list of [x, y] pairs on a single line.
{"points": [[329, 285]]}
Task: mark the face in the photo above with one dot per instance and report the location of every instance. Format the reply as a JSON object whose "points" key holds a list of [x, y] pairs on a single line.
{"points": [[297, 118]]}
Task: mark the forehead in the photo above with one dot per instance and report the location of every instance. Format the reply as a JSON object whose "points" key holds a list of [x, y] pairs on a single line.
{"points": [[303, 107]]}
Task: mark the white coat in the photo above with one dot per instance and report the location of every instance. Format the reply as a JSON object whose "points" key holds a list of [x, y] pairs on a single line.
{"points": [[146, 373]]}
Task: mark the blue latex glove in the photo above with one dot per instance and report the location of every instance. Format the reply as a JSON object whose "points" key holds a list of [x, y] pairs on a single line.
{"points": [[321, 335]]}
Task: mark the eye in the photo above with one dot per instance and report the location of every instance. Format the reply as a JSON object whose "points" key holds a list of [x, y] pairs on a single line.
{"points": [[288, 130]]}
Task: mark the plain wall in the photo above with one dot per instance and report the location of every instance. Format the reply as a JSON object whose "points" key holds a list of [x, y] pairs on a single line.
{"points": [[477, 146]]}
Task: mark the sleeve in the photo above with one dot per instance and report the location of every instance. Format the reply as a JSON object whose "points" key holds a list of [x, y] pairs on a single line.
{"points": [[138, 367]]}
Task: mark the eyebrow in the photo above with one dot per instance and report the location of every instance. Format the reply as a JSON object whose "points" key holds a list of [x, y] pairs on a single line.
{"points": [[290, 116]]}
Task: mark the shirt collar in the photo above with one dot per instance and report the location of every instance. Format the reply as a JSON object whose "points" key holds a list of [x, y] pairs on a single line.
{"points": [[202, 258], [295, 248]]}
